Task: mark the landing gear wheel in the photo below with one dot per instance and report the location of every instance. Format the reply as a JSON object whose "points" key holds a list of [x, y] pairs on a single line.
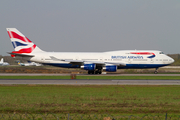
{"points": [[155, 72], [96, 72], [90, 72]]}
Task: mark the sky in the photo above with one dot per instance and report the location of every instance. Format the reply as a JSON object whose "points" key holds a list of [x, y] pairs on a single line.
{"points": [[93, 25]]}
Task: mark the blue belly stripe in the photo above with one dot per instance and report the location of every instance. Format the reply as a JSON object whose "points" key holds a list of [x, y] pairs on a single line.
{"points": [[128, 66]]}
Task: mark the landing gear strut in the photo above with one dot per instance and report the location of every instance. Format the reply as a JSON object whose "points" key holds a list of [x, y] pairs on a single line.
{"points": [[156, 71]]}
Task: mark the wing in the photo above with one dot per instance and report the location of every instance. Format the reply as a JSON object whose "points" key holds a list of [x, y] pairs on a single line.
{"points": [[82, 62]]}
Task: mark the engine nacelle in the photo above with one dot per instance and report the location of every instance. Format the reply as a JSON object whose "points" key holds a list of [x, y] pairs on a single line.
{"points": [[89, 67], [110, 68]]}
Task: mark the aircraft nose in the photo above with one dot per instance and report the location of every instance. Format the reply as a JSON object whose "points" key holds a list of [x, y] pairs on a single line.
{"points": [[171, 60]]}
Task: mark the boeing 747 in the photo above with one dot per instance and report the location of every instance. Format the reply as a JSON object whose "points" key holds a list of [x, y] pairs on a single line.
{"points": [[93, 62]]}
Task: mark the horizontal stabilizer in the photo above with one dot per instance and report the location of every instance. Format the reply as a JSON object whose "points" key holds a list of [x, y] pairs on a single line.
{"points": [[21, 55]]}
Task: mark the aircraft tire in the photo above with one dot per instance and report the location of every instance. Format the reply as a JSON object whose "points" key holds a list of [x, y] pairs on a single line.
{"points": [[96, 72], [91, 72]]}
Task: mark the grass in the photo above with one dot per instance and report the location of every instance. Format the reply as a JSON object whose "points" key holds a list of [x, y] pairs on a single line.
{"points": [[52, 116], [90, 99], [96, 77]]}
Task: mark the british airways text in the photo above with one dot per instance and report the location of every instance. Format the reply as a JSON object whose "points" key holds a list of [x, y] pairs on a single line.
{"points": [[126, 57]]}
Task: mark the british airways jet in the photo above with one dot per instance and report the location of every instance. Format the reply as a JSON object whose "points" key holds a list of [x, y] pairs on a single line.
{"points": [[93, 62]]}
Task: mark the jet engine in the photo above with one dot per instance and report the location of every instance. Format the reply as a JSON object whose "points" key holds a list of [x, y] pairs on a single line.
{"points": [[89, 67], [110, 68]]}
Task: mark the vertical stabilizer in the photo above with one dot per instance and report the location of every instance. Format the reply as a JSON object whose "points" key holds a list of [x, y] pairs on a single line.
{"points": [[21, 44], [2, 60]]}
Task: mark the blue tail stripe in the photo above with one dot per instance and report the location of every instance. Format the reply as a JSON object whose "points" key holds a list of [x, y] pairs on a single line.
{"points": [[13, 44], [16, 44]]}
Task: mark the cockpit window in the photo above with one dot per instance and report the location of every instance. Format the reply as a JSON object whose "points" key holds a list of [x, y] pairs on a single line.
{"points": [[161, 53]]}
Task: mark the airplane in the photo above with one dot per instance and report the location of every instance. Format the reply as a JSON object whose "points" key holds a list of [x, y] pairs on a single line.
{"points": [[93, 62], [2, 63], [29, 63]]}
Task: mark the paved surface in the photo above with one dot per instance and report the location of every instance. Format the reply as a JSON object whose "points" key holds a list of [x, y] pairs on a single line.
{"points": [[94, 82], [91, 82], [32, 74]]}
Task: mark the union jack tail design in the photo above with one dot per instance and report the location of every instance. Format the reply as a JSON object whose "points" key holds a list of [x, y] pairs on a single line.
{"points": [[21, 44]]}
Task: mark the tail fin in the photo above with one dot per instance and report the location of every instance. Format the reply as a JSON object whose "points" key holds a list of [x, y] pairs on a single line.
{"points": [[21, 43], [2, 60], [19, 63]]}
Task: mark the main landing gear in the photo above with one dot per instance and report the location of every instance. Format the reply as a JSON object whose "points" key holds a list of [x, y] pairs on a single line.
{"points": [[94, 71], [156, 71]]}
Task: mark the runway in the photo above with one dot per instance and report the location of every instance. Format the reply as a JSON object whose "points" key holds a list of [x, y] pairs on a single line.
{"points": [[92, 82], [45, 74]]}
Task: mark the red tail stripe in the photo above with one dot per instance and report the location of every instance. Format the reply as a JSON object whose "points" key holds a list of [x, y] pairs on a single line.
{"points": [[143, 53], [26, 50], [15, 35]]}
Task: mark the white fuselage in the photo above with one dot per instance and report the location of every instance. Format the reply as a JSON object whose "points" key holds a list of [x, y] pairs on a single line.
{"points": [[119, 57]]}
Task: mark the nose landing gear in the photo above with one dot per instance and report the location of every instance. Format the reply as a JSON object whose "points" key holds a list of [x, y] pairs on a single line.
{"points": [[156, 71]]}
